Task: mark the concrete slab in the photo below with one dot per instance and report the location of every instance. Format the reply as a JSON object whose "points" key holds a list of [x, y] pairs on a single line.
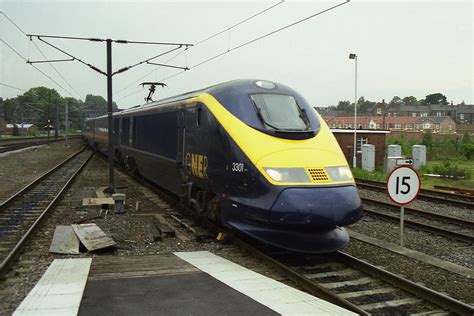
{"points": [[64, 241], [60, 289], [277, 296]]}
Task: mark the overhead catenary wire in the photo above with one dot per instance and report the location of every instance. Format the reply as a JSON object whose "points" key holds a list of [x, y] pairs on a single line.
{"points": [[41, 38], [203, 41], [75, 58], [11, 21], [56, 70], [11, 87], [147, 74], [248, 43], [239, 23], [42, 72], [270, 33], [41, 52]]}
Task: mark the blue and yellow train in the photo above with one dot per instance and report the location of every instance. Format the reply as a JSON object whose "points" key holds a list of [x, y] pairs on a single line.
{"points": [[250, 153]]}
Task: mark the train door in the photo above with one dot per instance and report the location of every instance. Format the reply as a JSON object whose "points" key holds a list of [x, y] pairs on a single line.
{"points": [[181, 141]]}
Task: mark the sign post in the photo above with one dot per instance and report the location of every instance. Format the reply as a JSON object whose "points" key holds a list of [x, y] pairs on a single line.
{"points": [[403, 185]]}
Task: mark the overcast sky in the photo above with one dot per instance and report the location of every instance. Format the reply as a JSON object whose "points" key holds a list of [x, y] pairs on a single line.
{"points": [[404, 47]]}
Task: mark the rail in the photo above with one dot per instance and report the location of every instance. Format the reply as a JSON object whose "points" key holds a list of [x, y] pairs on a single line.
{"points": [[14, 251], [413, 290]]}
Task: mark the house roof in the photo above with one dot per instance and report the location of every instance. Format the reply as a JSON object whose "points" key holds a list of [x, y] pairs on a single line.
{"points": [[436, 119], [368, 119], [25, 125], [465, 108]]}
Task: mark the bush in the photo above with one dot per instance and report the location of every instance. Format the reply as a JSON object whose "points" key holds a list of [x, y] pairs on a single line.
{"points": [[466, 138], [427, 140], [447, 169], [16, 130], [376, 175], [468, 151]]}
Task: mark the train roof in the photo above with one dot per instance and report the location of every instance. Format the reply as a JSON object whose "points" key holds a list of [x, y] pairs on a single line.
{"points": [[248, 85]]}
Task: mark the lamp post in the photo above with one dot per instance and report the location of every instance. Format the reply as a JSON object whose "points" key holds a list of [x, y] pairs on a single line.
{"points": [[354, 159]]}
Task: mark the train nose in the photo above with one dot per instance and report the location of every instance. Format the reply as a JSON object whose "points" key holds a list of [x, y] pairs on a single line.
{"points": [[317, 207]]}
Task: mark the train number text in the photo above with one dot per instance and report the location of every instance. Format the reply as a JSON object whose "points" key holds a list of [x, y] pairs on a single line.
{"points": [[237, 167]]}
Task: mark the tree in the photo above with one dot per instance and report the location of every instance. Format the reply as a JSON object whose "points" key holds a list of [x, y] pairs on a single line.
{"points": [[364, 106], [427, 139], [16, 130], [467, 150], [436, 98], [39, 104], [345, 106], [396, 100], [410, 101]]}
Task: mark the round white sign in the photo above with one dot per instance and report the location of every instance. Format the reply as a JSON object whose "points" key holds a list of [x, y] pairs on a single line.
{"points": [[403, 185]]}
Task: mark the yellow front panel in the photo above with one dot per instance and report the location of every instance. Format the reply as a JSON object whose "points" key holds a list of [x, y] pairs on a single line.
{"points": [[264, 150]]}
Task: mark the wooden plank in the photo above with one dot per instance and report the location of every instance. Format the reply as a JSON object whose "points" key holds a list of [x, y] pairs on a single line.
{"points": [[92, 237], [64, 241], [164, 226], [155, 233], [139, 266], [97, 201], [183, 223], [100, 192]]}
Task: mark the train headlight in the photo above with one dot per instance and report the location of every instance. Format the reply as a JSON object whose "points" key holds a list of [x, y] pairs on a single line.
{"points": [[340, 173], [287, 174]]}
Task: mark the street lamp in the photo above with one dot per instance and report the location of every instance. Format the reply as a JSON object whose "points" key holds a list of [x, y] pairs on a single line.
{"points": [[354, 159]]}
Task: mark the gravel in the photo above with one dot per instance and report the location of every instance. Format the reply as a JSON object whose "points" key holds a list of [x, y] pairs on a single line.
{"points": [[458, 252], [443, 209], [132, 233], [17, 169]]}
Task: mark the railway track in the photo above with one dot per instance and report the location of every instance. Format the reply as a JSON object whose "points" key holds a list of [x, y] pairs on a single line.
{"points": [[347, 281], [23, 211], [25, 143], [460, 200], [357, 285], [12, 147], [449, 226]]}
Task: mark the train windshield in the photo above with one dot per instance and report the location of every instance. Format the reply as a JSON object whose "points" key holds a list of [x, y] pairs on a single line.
{"points": [[280, 112]]}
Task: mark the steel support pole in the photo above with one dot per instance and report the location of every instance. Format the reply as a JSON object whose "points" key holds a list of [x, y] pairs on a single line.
{"points": [[56, 123], [67, 124], [354, 160], [402, 224], [109, 116]]}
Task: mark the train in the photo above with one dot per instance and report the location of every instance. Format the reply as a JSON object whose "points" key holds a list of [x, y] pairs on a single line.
{"points": [[252, 154]]}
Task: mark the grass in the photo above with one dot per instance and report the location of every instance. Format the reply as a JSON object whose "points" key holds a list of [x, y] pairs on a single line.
{"points": [[427, 182], [468, 166]]}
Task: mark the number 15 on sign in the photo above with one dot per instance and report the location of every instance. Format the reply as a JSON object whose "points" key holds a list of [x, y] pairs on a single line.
{"points": [[403, 185]]}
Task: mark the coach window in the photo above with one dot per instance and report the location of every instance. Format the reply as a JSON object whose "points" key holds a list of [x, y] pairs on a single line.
{"points": [[125, 131]]}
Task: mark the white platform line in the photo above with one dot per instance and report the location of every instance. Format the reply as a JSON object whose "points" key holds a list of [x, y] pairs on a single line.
{"points": [[60, 289], [277, 296]]}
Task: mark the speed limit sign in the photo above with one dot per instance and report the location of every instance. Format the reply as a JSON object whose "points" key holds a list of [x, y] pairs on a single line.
{"points": [[403, 185]]}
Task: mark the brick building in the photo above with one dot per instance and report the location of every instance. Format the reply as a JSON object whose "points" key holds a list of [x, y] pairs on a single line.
{"points": [[345, 138], [23, 128], [435, 124]]}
